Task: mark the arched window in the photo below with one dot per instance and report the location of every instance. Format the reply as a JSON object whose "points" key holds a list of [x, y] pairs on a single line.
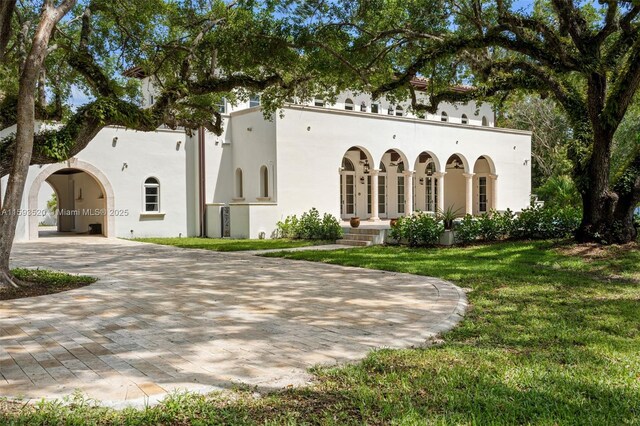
{"points": [[347, 165], [152, 195], [484, 121], [363, 107], [264, 181], [444, 116], [348, 104], [465, 120], [254, 101], [239, 184], [399, 111]]}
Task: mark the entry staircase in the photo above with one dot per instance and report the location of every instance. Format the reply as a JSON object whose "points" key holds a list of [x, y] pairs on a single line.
{"points": [[362, 237]]}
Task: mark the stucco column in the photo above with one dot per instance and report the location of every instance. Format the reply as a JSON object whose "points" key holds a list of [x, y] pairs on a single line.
{"points": [[408, 192], [494, 191], [440, 177], [468, 193], [374, 195]]}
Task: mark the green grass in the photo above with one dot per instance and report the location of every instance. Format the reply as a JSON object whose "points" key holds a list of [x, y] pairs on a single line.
{"points": [[41, 281], [550, 338], [223, 244]]}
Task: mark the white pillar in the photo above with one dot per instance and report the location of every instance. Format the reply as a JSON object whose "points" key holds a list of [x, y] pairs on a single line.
{"points": [[374, 195], [468, 193], [440, 177], [494, 191], [408, 192]]}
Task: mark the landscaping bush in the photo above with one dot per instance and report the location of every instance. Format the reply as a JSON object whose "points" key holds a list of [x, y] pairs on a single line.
{"points": [[538, 222], [467, 231], [419, 229], [310, 227]]}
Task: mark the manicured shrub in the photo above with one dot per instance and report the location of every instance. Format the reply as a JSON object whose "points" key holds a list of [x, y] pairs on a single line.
{"points": [[467, 231], [419, 229], [310, 227], [536, 222]]}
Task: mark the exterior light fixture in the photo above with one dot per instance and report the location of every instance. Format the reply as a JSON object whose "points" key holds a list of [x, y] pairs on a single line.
{"points": [[526, 162], [114, 141], [178, 143], [308, 128], [421, 180], [124, 166], [249, 129], [362, 179]]}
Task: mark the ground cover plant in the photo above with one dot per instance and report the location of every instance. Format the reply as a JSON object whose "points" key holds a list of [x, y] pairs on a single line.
{"points": [[310, 226], [39, 282], [223, 244], [551, 337]]}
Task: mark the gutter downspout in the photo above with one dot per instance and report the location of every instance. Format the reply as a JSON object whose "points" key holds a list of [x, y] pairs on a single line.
{"points": [[202, 206]]}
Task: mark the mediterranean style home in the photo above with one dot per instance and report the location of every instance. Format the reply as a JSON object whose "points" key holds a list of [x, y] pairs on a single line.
{"points": [[358, 157]]}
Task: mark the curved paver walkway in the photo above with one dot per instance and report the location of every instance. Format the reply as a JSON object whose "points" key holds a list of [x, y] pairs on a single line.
{"points": [[162, 318]]}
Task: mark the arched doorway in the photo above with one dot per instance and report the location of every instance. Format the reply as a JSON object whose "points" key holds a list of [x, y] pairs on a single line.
{"points": [[394, 164], [484, 186], [355, 184], [427, 187], [84, 195], [457, 188]]}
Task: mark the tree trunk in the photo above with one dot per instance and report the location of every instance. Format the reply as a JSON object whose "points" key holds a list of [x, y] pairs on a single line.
{"points": [[607, 216], [25, 120]]}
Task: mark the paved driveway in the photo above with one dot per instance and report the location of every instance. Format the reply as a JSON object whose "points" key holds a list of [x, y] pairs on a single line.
{"points": [[162, 318]]}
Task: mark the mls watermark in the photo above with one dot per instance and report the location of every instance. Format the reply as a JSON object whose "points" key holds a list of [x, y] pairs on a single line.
{"points": [[65, 212]]}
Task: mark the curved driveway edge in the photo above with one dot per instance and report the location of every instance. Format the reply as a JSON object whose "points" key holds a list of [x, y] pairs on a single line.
{"points": [[163, 318]]}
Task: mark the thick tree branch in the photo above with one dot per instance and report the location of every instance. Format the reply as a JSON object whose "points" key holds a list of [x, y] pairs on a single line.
{"points": [[7, 8]]}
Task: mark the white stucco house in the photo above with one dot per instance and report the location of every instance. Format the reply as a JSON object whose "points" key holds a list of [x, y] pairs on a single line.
{"points": [[357, 157]]}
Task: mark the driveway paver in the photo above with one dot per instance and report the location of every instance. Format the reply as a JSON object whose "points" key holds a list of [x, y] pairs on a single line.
{"points": [[163, 318]]}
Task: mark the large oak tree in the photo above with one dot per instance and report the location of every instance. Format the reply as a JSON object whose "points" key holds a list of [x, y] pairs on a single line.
{"points": [[586, 56], [196, 51]]}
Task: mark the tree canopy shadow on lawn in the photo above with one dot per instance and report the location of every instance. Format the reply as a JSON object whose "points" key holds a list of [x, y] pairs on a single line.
{"points": [[549, 339]]}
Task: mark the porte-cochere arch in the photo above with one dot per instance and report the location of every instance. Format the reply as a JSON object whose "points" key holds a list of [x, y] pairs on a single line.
{"points": [[100, 179]]}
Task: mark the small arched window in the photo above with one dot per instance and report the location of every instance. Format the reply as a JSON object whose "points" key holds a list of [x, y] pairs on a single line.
{"points": [[347, 165], [444, 116], [348, 104], [430, 169], [465, 120], [264, 181], [152, 195], [239, 184], [254, 101], [399, 111], [484, 121]]}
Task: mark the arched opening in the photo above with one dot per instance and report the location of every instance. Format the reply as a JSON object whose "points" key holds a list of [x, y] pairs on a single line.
{"points": [[239, 185], [392, 197], [47, 209], [427, 183], [84, 198], [464, 119], [348, 104], [484, 186], [264, 182], [485, 122], [455, 185], [355, 186], [444, 116]]}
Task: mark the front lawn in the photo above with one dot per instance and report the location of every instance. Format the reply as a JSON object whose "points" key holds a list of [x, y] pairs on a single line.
{"points": [[552, 337], [224, 244]]}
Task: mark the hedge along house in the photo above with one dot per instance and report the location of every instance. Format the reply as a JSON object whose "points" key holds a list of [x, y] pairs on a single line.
{"points": [[358, 157]]}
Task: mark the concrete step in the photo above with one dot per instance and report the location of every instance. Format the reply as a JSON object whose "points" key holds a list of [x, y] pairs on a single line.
{"points": [[359, 237], [363, 231], [349, 242]]}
